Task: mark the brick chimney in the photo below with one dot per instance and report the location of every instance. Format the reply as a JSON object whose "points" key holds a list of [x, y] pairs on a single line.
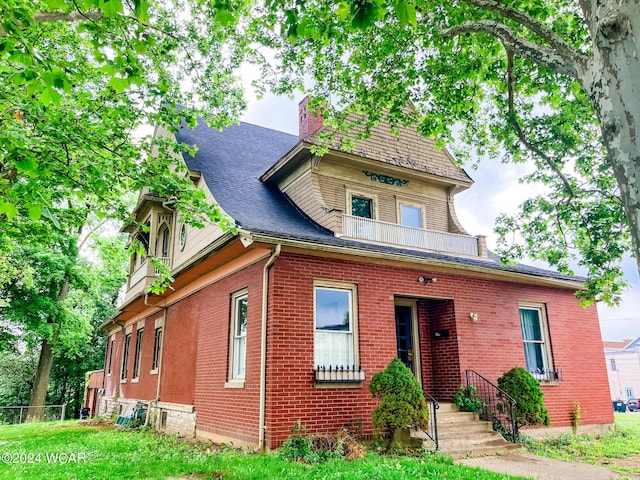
{"points": [[308, 122]]}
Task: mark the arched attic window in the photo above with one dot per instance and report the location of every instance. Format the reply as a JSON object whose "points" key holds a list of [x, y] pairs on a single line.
{"points": [[163, 241], [143, 238]]}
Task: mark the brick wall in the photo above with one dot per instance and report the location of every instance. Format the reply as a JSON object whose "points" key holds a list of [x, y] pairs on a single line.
{"points": [[179, 351], [229, 412], [490, 346]]}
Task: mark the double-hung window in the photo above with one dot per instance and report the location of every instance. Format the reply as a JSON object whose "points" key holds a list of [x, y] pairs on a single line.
{"points": [[535, 337], [335, 326], [239, 303], [125, 357], [110, 364], [157, 342], [137, 359]]}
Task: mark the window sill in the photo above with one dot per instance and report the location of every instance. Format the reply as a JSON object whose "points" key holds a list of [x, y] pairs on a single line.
{"points": [[153, 372], [123, 380], [549, 383], [234, 384], [135, 380], [321, 385]]}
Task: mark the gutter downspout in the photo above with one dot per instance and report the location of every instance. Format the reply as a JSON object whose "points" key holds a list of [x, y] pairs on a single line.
{"points": [[263, 346]]}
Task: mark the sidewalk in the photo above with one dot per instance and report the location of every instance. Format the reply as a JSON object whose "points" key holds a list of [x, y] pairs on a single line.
{"points": [[541, 468]]}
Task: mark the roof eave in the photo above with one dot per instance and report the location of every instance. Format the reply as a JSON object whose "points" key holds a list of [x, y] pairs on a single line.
{"points": [[530, 277]]}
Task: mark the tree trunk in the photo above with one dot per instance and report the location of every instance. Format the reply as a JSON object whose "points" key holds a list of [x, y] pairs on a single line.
{"points": [[612, 82], [40, 383]]}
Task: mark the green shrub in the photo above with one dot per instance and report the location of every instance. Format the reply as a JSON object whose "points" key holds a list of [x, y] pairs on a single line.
{"points": [[468, 401], [525, 390], [402, 402], [312, 449]]}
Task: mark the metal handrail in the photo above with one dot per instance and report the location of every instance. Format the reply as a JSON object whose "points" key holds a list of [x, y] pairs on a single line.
{"points": [[432, 432], [496, 405]]}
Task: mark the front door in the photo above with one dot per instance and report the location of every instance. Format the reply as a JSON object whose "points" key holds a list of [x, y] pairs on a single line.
{"points": [[405, 336]]}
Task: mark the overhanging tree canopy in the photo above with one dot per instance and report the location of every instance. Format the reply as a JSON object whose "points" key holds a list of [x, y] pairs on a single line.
{"points": [[556, 83]]}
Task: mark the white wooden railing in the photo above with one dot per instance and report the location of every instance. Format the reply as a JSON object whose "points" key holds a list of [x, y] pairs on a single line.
{"points": [[394, 234], [146, 270]]}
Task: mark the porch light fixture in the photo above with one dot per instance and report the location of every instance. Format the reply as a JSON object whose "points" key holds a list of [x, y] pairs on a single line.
{"points": [[474, 317], [427, 279]]}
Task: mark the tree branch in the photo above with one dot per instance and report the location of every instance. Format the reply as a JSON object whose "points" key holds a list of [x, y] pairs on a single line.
{"points": [[77, 16], [521, 135], [539, 54], [537, 27]]}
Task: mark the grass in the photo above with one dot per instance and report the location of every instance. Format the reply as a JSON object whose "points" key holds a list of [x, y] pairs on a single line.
{"points": [[114, 453], [618, 450]]}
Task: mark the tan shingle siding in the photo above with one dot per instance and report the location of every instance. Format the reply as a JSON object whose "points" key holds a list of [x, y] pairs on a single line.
{"points": [[409, 149]]}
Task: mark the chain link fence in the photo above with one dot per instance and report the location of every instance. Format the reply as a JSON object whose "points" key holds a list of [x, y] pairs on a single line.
{"points": [[19, 414]]}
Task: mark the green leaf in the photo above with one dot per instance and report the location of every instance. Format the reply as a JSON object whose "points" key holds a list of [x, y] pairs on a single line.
{"points": [[35, 212], [9, 209], [50, 96], [56, 4], [27, 165], [225, 18], [406, 13], [141, 10], [111, 8], [119, 84], [46, 213], [343, 10]]}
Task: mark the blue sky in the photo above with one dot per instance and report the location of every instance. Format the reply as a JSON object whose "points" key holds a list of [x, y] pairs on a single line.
{"points": [[496, 190]]}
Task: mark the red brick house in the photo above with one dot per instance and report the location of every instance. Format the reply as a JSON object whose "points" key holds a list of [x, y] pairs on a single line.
{"points": [[347, 260]]}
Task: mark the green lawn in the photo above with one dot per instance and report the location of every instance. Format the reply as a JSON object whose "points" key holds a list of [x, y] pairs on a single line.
{"points": [[100, 452], [619, 450]]}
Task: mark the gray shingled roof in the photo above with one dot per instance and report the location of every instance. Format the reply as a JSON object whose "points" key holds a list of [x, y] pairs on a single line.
{"points": [[231, 162]]}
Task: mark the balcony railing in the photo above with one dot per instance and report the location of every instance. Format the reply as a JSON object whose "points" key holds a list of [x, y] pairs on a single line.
{"points": [[394, 234], [147, 270]]}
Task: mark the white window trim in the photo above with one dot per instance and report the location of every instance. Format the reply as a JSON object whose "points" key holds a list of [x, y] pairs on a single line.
{"points": [[542, 316], [352, 287], [235, 382], [363, 194]]}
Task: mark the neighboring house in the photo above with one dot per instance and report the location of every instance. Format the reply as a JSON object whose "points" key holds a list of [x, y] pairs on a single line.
{"points": [[93, 391], [339, 264], [623, 368]]}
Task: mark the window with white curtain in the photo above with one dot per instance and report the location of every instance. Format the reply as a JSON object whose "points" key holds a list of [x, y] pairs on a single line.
{"points": [[535, 338], [335, 326]]}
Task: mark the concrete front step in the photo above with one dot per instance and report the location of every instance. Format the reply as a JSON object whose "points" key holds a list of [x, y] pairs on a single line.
{"points": [[462, 434]]}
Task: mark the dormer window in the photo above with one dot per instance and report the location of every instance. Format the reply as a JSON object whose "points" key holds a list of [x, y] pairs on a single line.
{"points": [[411, 216], [361, 206]]}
